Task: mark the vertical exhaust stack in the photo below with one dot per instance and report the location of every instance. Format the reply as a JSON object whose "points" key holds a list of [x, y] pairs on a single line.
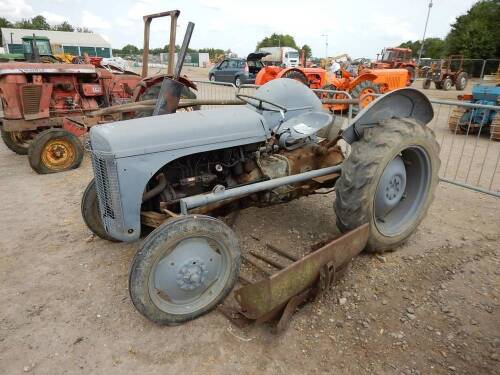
{"points": [[171, 88]]}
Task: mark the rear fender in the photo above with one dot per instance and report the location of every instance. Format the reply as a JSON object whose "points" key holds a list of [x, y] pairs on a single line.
{"points": [[402, 103], [363, 77]]}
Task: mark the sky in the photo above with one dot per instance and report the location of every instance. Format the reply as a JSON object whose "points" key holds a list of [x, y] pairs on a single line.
{"points": [[360, 28]]}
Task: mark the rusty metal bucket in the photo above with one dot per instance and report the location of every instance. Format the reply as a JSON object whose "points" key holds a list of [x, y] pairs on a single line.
{"points": [[276, 296]]}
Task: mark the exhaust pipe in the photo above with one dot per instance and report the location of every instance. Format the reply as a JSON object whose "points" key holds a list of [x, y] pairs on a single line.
{"points": [[171, 88]]}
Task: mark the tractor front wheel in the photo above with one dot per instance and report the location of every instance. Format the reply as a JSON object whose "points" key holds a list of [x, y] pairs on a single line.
{"points": [[427, 84], [461, 82], [55, 150], [184, 269], [388, 181], [91, 213], [17, 141], [447, 84]]}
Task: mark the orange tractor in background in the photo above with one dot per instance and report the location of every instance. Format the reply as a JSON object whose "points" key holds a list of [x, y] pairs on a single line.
{"points": [[363, 87], [397, 58]]}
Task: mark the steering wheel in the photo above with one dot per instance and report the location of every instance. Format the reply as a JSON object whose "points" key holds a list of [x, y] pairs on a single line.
{"points": [[246, 98]]}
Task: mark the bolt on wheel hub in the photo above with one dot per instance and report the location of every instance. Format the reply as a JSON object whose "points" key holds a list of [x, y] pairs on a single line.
{"points": [[192, 275], [391, 187], [58, 154]]}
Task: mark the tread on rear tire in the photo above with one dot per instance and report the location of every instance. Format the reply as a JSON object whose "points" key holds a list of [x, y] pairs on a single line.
{"points": [[357, 186]]}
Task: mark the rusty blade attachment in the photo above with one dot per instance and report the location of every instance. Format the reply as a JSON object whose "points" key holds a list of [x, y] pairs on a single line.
{"points": [[261, 300]]}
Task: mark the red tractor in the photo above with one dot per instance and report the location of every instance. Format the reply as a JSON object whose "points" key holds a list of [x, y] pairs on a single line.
{"points": [[37, 97], [46, 107], [397, 58]]}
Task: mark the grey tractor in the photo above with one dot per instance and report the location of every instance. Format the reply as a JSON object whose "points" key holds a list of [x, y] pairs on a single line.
{"points": [[179, 172]]}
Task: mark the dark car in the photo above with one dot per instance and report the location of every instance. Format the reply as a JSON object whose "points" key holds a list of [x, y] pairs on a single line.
{"points": [[238, 71]]}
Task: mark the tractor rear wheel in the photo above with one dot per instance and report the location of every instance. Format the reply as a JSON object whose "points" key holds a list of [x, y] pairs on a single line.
{"points": [[495, 127], [19, 142], [427, 84], [91, 213], [55, 150], [296, 75], [461, 81], [447, 84], [362, 92], [184, 269], [388, 181]]}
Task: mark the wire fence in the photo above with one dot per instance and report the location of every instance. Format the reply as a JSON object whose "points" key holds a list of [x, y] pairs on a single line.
{"points": [[475, 68], [469, 137]]}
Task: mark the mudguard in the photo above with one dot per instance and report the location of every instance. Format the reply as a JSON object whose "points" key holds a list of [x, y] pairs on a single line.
{"points": [[402, 103]]}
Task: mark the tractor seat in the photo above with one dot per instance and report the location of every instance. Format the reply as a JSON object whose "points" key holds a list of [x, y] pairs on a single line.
{"points": [[294, 132]]}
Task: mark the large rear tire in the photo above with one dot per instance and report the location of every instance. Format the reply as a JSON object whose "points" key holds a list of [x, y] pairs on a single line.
{"points": [[461, 82], [91, 213], [388, 181], [184, 269], [19, 142], [55, 150]]}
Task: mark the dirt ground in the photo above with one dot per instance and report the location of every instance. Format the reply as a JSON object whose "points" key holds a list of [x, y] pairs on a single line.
{"points": [[432, 307]]}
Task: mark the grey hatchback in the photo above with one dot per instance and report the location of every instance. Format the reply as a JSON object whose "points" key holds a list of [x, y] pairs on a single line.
{"points": [[236, 70]]}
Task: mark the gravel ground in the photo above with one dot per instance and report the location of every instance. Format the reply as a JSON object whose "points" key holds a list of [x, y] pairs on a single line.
{"points": [[430, 307]]}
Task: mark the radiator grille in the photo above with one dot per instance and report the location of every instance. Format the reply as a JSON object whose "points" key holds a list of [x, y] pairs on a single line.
{"points": [[108, 190], [31, 96]]}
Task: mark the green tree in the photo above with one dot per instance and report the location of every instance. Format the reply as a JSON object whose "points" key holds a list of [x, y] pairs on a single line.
{"points": [[65, 26], [40, 23], [307, 51], [83, 30], [4, 22], [476, 34], [434, 48], [278, 40], [130, 49]]}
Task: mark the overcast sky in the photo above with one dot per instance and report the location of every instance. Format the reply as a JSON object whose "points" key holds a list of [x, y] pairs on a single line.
{"points": [[360, 27]]}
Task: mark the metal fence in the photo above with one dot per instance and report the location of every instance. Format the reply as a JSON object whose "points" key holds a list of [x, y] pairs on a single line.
{"points": [[475, 68], [470, 151], [469, 138]]}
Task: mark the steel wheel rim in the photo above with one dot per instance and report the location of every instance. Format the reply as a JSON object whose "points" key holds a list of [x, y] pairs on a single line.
{"points": [[58, 154], [366, 97], [180, 286], [406, 200]]}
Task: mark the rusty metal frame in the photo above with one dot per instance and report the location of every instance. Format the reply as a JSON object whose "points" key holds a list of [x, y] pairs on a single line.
{"points": [[174, 15], [259, 300]]}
